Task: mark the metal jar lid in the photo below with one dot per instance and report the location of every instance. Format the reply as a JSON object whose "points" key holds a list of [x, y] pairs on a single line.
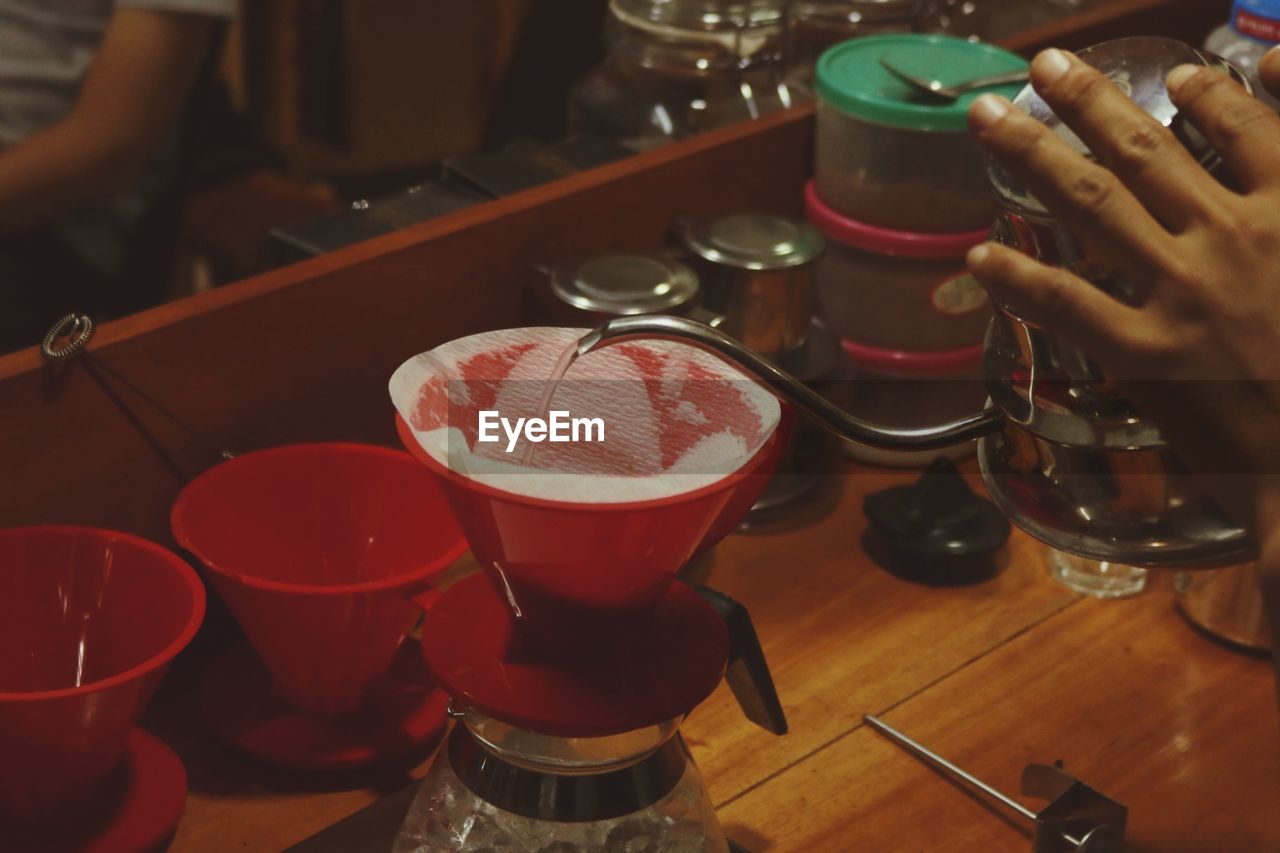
{"points": [[1140, 68], [753, 241], [624, 285]]}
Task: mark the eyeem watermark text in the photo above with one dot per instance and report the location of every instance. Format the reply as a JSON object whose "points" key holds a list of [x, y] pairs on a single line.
{"points": [[557, 427]]}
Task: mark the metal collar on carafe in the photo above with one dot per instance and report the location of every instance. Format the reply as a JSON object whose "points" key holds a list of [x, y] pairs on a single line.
{"points": [[542, 789]]}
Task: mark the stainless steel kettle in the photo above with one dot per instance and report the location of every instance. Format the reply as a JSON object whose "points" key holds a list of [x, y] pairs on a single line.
{"points": [[1060, 449]]}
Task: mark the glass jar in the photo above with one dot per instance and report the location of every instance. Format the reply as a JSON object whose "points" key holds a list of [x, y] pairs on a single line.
{"points": [[815, 25], [495, 786], [897, 289], [680, 67], [757, 273], [995, 20], [892, 157]]}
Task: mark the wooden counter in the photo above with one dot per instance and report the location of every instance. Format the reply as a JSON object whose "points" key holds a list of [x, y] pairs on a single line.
{"points": [[994, 676]]}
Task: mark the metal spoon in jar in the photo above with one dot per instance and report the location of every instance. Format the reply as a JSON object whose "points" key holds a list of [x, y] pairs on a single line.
{"points": [[938, 89]]}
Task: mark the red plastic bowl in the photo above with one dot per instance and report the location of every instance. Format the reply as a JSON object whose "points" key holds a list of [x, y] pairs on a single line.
{"points": [[89, 620]]}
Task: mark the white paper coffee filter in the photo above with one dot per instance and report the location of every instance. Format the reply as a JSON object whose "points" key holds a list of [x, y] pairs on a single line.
{"points": [[675, 418]]}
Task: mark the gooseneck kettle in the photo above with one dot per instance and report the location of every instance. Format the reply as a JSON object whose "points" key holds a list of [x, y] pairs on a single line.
{"points": [[1062, 452]]}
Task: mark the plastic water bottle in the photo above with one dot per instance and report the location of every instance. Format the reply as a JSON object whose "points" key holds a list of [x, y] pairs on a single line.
{"points": [[1254, 29]]}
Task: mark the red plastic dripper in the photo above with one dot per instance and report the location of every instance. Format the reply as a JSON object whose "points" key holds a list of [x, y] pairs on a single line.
{"points": [[319, 551], [578, 576], [91, 619], [583, 539]]}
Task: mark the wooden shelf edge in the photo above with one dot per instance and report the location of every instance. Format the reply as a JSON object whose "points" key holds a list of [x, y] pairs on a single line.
{"points": [[299, 274]]}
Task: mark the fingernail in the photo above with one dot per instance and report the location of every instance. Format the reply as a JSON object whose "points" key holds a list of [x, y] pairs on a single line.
{"points": [[1179, 76], [1050, 66], [977, 255], [987, 110]]}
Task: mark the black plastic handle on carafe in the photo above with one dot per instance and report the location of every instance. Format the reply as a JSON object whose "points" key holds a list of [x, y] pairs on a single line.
{"points": [[748, 672]]}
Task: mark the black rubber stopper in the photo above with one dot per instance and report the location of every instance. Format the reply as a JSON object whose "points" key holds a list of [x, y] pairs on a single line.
{"points": [[936, 531]]}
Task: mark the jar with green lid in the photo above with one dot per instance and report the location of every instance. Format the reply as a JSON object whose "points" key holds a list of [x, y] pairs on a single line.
{"points": [[891, 156]]}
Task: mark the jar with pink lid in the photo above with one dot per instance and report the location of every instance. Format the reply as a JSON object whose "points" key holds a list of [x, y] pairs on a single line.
{"points": [[902, 389], [897, 290]]}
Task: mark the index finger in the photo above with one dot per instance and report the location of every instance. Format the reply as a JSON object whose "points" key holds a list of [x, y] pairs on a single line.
{"points": [[1143, 153], [1087, 198]]}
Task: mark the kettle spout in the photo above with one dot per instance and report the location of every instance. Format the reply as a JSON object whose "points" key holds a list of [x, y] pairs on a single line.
{"points": [[785, 386]]}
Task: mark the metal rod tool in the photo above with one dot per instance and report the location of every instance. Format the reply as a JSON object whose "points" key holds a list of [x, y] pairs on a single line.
{"points": [[1078, 818]]}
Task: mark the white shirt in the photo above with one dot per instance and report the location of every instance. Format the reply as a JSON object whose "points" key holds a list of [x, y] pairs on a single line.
{"points": [[46, 48]]}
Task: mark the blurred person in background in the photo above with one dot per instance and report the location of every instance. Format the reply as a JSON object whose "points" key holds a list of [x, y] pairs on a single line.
{"points": [[92, 96]]}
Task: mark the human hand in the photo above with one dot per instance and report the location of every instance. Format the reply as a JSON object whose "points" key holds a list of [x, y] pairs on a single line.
{"points": [[1199, 350]]}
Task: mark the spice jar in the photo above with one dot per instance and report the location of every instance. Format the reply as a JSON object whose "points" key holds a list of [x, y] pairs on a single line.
{"points": [[678, 67], [891, 156], [815, 25], [897, 289], [757, 274]]}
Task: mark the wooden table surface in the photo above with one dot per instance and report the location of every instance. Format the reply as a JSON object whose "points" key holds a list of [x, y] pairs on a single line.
{"points": [[994, 676]]}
